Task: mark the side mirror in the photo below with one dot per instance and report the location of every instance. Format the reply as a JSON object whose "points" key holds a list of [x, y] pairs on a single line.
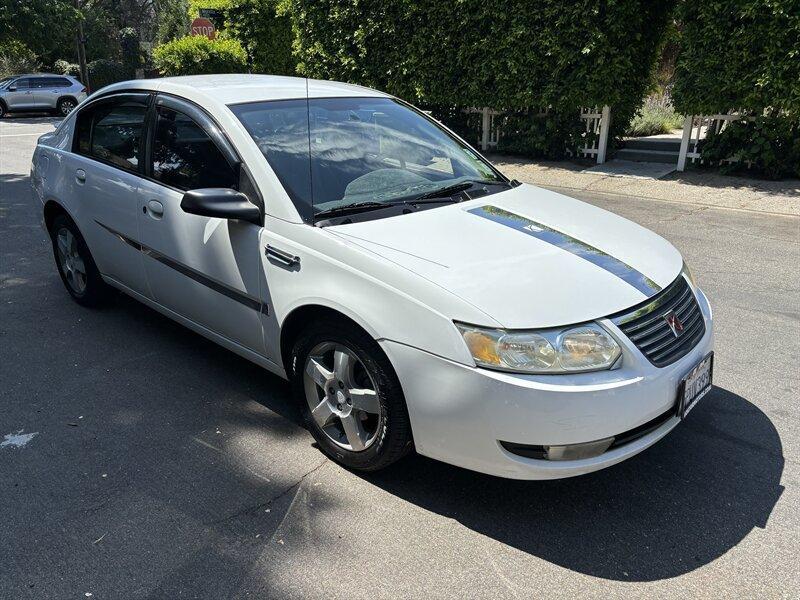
{"points": [[223, 203]]}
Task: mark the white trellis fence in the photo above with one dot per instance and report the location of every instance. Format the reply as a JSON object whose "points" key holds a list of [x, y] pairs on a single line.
{"points": [[696, 128], [597, 123]]}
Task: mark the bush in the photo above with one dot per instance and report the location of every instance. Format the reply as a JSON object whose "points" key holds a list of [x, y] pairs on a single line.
{"points": [[656, 116], [197, 55], [767, 145], [16, 58], [739, 54], [549, 135], [265, 35], [104, 72], [62, 67], [514, 55]]}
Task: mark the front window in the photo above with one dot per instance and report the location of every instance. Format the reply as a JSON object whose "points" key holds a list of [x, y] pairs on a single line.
{"points": [[334, 154], [185, 157]]}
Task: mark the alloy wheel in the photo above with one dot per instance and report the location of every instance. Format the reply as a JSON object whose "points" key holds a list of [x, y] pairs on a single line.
{"points": [[70, 261], [67, 107], [342, 396]]}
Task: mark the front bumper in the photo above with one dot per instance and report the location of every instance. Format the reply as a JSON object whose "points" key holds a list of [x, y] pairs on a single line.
{"points": [[460, 414]]}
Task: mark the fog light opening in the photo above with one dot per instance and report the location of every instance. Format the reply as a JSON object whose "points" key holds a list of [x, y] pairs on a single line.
{"points": [[578, 451]]}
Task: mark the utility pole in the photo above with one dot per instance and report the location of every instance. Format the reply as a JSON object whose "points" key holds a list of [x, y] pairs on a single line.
{"points": [[81, 39]]}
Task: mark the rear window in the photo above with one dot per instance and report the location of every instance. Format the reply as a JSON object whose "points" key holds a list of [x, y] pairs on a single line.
{"points": [[51, 82], [111, 131]]}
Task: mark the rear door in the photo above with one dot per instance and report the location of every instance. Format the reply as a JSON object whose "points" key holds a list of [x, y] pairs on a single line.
{"points": [[47, 90], [203, 268], [106, 166]]}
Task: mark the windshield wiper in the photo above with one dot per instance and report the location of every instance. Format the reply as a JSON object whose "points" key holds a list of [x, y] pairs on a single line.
{"points": [[350, 209], [452, 189]]}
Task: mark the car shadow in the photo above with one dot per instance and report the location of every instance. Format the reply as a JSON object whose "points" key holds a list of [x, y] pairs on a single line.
{"points": [[675, 507], [31, 118]]}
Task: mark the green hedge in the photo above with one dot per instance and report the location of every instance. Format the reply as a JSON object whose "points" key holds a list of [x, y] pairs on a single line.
{"points": [[265, 35], [197, 55], [510, 55], [768, 146], [738, 54]]}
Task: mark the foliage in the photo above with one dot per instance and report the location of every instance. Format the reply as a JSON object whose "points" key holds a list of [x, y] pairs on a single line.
{"points": [[265, 35], [45, 27], [172, 19], [538, 135], [104, 71], [520, 56], [739, 54], [196, 5], [657, 115], [767, 145], [15, 58], [196, 55], [63, 67], [131, 55]]}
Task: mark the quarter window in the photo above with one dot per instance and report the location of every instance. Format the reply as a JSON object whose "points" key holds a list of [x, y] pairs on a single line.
{"points": [[185, 157], [112, 132]]}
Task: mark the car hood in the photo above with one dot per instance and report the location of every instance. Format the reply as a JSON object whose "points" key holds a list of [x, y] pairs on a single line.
{"points": [[526, 257]]}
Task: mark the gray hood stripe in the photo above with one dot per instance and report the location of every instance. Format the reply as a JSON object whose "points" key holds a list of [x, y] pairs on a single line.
{"points": [[561, 240]]}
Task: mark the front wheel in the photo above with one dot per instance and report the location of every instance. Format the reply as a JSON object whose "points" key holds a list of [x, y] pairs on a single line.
{"points": [[350, 397]]}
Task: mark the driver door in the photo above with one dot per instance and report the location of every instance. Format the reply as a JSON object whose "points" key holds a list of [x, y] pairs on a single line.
{"points": [[205, 269]]}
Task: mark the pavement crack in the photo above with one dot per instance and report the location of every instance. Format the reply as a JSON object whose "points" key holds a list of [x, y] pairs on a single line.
{"points": [[275, 498]]}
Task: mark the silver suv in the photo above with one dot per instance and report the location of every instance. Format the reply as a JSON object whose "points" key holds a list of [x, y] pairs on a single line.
{"points": [[40, 92]]}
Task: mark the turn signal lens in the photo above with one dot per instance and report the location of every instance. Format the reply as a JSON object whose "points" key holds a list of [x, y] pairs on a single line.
{"points": [[584, 348]]}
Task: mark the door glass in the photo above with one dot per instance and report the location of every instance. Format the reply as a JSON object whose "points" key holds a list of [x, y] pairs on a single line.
{"points": [[185, 157], [112, 132], [22, 84]]}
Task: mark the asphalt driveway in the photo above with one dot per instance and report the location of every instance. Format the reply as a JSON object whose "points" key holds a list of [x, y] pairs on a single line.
{"points": [[138, 460]]}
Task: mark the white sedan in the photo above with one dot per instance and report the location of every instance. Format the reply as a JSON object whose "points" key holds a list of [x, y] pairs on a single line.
{"points": [[413, 295]]}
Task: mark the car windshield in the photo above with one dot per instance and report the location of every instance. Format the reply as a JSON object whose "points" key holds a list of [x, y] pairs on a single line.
{"points": [[5, 81], [340, 153]]}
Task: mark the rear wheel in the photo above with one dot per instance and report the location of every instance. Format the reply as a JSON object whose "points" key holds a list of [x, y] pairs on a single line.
{"points": [[76, 265], [350, 397], [65, 106]]}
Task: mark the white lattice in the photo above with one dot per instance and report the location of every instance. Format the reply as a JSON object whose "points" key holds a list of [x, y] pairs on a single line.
{"points": [[695, 130], [597, 125]]}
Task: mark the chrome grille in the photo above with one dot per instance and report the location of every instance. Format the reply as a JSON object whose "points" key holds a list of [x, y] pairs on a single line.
{"points": [[647, 327]]}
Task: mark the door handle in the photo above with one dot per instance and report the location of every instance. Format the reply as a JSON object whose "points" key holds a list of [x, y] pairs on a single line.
{"points": [[80, 176], [155, 208]]}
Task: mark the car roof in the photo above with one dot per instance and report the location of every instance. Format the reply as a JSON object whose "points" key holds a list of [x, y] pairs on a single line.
{"points": [[40, 75], [239, 88]]}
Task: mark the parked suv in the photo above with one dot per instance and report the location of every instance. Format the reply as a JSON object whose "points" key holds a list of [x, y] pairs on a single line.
{"points": [[40, 92]]}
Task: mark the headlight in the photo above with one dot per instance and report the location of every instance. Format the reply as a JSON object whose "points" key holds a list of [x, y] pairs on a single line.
{"points": [[581, 348]]}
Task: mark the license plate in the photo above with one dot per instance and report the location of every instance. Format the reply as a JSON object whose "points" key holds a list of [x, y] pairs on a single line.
{"points": [[695, 385]]}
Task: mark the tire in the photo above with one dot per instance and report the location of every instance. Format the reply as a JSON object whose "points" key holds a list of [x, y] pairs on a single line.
{"points": [[391, 439], [65, 106], [88, 288], [3, 110]]}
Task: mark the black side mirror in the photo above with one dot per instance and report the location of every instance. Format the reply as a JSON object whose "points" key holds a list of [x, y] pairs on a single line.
{"points": [[223, 203]]}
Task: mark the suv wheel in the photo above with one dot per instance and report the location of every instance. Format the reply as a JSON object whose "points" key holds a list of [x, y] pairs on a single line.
{"points": [[2, 110], [350, 397], [76, 265], [65, 106]]}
